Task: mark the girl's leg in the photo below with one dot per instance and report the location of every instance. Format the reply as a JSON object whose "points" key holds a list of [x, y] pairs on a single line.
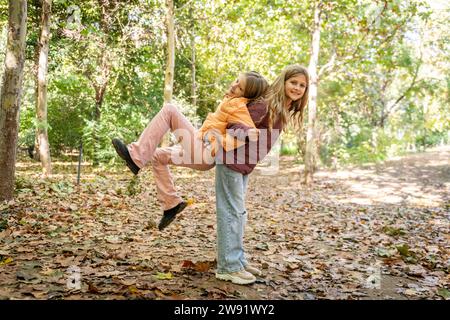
{"points": [[168, 118], [166, 192], [242, 257], [231, 216]]}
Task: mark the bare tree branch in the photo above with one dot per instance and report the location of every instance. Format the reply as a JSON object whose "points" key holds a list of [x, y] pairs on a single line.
{"points": [[329, 65]]}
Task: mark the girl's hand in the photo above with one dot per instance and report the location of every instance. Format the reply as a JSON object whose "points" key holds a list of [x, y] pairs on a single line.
{"points": [[253, 134]]}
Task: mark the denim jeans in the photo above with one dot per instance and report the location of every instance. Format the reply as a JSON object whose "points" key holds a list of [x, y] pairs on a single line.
{"points": [[231, 187]]}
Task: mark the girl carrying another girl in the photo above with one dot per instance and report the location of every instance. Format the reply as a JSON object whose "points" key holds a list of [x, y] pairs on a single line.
{"points": [[196, 149], [286, 100]]}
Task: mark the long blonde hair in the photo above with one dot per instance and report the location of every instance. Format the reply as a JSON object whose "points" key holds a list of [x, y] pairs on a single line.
{"points": [[276, 98]]}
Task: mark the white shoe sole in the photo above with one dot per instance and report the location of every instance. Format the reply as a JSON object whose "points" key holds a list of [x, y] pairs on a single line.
{"points": [[227, 277]]}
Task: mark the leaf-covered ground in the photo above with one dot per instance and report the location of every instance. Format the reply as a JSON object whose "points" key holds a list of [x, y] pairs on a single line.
{"points": [[373, 232]]}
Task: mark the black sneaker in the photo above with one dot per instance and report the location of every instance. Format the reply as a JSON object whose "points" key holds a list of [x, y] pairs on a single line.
{"points": [[169, 215], [122, 151]]}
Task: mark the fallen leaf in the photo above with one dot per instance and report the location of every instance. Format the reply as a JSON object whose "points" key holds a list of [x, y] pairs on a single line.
{"points": [[202, 266], [92, 288], [108, 274], [383, 252], [26, 275], [392, 231], [292, 266], [6, 233], [65, 261], [262, 246], [163, 276], [187, 264], [444, 293], [416, 270], [40, 294], [128, 282], [6, 261]]}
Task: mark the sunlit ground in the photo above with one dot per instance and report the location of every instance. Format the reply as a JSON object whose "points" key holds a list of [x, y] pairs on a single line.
{"points": [[398, 181]]}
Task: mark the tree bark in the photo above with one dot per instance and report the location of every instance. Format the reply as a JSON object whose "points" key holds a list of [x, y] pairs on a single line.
{"points": [[100, 91], [193, 71], [10, 95], [170, 65], [36, 24], [41, 99], [311, 148]]}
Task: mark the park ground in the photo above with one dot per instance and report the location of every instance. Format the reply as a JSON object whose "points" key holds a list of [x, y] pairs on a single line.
{"points": [[378, 231]]}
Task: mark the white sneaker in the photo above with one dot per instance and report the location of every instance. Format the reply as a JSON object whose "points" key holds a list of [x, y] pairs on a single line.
{"points": [[254, 271], [238, 277]]}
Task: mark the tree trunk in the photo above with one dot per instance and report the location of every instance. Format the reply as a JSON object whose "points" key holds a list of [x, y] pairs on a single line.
{"points": [[170, 66], [101, 80], [10, 95], [311, 148], [99, 97], [41, 101], [382, 116], [193, 71], [36, 24]]}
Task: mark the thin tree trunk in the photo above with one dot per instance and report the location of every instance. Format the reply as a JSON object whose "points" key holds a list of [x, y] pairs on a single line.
{"points": [[170, 65], [100, 83], [311, 148], [193, 71], [10, 95], [382, 116], [37, 4], [99, 97], [41, 101]]}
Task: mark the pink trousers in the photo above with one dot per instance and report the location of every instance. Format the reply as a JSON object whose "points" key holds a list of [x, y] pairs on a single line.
{"points": [[191, 152]]}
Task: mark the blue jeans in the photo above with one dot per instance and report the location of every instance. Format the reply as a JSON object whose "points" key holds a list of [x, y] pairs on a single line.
{"points": [[231, 187]]}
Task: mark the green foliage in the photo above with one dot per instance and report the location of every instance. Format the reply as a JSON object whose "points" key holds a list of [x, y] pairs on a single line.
{"points": [[290, 143], [289, 149]]}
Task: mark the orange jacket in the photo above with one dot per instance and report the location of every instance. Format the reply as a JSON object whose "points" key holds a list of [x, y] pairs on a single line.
{"points": [[230, 110]]}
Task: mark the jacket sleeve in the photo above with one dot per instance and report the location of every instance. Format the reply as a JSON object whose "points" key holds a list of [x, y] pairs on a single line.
{"points": [[238, 130], [257, 112]]}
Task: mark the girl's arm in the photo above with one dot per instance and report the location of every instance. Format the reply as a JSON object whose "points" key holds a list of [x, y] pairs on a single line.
{"points": [[238, 130], [257, 112]]}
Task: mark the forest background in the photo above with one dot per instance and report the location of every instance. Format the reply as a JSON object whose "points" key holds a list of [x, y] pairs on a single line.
{"points": [[383, 70]]}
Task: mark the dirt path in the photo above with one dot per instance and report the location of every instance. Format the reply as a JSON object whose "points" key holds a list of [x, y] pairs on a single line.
{"points": [[419, 179], [362, 233]]}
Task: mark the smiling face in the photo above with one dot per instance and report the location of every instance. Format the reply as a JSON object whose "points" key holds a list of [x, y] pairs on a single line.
{"points": [[294, 88], [237, 88]]}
